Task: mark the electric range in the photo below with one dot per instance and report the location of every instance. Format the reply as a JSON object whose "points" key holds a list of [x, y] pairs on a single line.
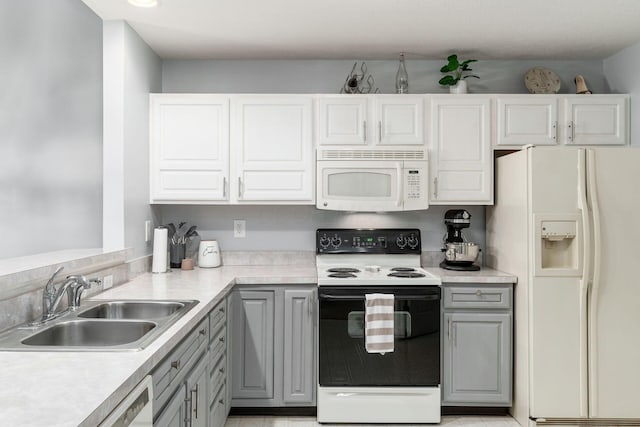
{"points": [[354, 385]]}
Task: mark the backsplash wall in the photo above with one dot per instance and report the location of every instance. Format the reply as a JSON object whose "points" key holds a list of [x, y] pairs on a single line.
{"points": [[285, 228]]}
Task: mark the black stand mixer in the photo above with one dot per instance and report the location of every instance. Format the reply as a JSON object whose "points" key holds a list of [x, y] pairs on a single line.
{"points": [[459, 254]]}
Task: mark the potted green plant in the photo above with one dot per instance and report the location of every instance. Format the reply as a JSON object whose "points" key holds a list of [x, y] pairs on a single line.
{"points": [[456, 81]]}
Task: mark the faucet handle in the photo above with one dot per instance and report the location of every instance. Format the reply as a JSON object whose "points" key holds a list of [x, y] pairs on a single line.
{"points": [[79, 284]]}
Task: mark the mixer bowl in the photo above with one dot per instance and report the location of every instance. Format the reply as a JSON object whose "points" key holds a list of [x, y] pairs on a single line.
{"points": [[461, 252]]}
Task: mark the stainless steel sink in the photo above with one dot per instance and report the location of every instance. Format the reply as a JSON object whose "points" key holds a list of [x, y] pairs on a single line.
{"points": [[108, 325], [132, 310], [90, 333]]}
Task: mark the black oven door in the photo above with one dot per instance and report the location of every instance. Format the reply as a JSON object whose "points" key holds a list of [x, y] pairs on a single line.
{"points": [[343, 359]]}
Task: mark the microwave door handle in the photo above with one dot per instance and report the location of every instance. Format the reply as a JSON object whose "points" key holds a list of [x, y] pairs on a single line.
{"points": [[399, 184]]}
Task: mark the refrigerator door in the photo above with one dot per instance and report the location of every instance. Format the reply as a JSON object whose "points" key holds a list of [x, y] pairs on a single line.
{"points": [[614, 297], [557, 289]]}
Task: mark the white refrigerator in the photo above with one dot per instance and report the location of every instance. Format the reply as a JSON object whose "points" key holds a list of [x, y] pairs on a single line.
{"points": [[567, 222]]}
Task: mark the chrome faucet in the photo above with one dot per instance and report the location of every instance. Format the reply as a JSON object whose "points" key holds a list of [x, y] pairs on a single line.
{"points": [[51, 297]]}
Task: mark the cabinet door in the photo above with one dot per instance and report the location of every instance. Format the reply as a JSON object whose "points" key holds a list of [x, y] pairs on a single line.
{"points": [[476, 359], [299, 367], [253, 350], [527, 120], [197, 394], [189, 148], [273, 149], [399, 120], [174, 414], [342, 120], [461, 157], [596, 120]]}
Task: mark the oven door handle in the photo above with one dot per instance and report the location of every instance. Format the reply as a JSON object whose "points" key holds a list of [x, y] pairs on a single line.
{"points": [[429, 297]]}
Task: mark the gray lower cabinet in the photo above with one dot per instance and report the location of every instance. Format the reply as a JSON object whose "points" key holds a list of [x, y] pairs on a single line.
{"points": [[174, 413], [176, 379], [298, 340], [190, 383], [197, 394], [253, 344], [477, 345], [273, 346], [217, 369]]}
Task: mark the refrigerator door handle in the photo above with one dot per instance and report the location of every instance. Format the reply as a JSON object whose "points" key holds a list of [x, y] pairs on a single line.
{"points": [[592, 197], [585, 281]]}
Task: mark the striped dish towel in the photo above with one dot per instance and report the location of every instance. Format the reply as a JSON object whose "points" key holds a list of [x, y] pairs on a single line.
{"points": [[378, 323]]}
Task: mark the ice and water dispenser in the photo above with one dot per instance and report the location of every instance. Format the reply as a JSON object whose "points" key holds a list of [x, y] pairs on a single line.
{"points": [[558, 245]]}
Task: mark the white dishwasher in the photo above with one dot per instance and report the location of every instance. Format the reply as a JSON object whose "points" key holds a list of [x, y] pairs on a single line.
{"points": [[136, 409]]}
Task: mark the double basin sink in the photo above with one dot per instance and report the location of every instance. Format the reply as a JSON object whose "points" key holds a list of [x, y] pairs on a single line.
{"points": [[108, 325]]}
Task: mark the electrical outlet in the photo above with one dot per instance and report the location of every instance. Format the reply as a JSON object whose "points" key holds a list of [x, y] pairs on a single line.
{"points": [[107, 282], [239, 228], [147, 231]]}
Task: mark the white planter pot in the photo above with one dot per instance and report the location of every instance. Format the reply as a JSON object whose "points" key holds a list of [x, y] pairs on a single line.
{"points": [[461, 87]]}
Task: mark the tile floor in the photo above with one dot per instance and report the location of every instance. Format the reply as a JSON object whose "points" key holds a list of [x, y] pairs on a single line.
{"points": [[449, 421]]}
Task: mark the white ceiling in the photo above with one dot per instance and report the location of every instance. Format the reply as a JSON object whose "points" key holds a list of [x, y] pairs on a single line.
{"points": [[381, 29]]}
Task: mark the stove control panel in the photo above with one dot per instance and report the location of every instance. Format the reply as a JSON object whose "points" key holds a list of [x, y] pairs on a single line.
{"points": [[370, 241]]}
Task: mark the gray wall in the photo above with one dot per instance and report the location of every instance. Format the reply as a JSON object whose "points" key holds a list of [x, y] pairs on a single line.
{"points": [[293, 227], [50, 126], [132, 70], [246, 76], [622, 73]]}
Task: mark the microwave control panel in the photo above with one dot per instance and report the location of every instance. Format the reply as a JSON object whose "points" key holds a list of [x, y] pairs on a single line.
{"points": [[416, 178], [413, 178]]}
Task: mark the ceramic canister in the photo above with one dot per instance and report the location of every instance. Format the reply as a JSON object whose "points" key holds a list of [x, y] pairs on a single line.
{"points": [[209, 254]]}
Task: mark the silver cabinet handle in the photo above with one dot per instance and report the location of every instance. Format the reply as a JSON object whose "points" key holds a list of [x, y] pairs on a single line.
{"points": [[555, 131], [176, 364], [224, 187], [364, 129], [221, 339], [449, 329], [435, 187], [379, 130], [572, 130], [195, 410], [239, 187], [202, 331], [221, 370]]}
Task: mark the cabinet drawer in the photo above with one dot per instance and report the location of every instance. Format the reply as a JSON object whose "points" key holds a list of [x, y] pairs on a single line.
{"points": [[218, 344], [217, 375], [217, 411], [217, 318], [477, 297], [177, 364]]}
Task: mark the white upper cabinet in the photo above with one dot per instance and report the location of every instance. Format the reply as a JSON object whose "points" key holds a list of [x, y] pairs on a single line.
{"points": [[461, 156], [382, 120], [522, 120], [272, 157], [231, 149], [342, 120], [596, 120], [189, 146], [561, 119]]}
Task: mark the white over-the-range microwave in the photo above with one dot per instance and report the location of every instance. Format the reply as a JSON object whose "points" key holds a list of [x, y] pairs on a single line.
{"points": [[372, 180]]}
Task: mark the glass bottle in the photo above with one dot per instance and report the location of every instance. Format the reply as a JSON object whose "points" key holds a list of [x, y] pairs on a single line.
{"points": [[402, 78]]}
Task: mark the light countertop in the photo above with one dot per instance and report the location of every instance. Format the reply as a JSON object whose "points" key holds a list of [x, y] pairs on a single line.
{"points": [[82, 388]]}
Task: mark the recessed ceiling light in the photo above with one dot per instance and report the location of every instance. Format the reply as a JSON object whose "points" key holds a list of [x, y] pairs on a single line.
{"points": [[144, 3]]}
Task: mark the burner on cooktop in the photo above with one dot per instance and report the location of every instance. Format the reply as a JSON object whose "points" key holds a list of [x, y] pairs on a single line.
{"points": [[342, 275], [406, 274], [403, 269], [343, 270]]}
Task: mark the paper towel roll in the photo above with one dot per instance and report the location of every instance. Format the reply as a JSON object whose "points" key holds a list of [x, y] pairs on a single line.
{"points": [[160, 241]]}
